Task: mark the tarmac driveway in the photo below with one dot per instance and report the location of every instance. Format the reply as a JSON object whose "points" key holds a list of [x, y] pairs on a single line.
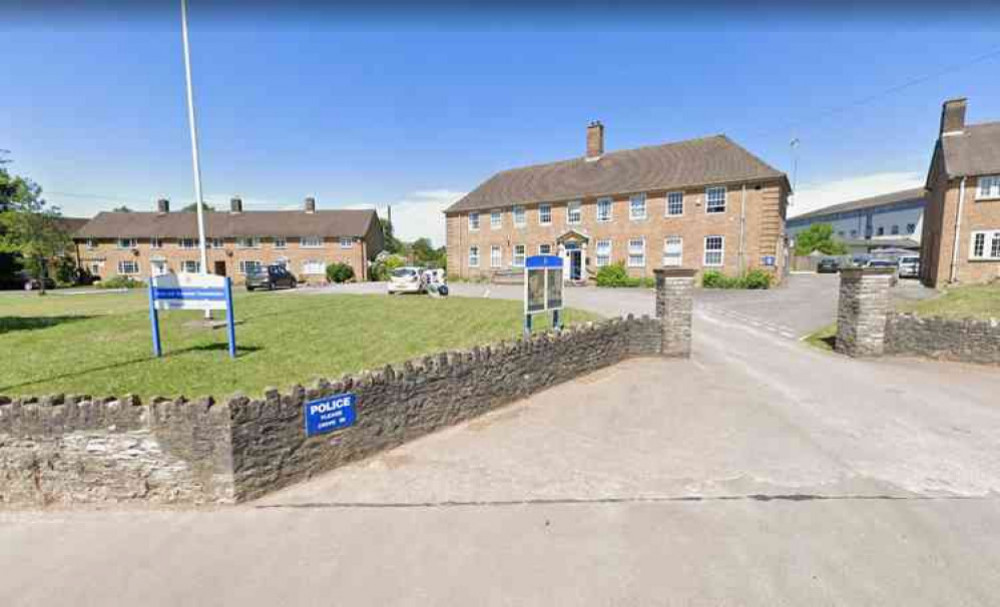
{"points": [[759, 472]]}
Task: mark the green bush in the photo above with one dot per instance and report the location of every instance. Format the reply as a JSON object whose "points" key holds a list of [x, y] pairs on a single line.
{"points": [[339, 272], [121, 282], [382, 269], [757, 279], [754, 279]]}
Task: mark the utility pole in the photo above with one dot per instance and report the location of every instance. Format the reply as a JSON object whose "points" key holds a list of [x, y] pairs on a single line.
{"points": [[199, 202], [794, 145]]}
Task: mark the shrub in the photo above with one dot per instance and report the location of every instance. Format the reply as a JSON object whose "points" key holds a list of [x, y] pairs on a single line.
{"points": [[339, 272], [121, 282], [757, 279], [754, 279], [382, 269], [613, 276]]}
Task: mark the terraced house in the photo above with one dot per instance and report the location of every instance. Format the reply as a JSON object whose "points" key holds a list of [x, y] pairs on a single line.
{"points": [[703, 203], [961, 240], [140, 244]]}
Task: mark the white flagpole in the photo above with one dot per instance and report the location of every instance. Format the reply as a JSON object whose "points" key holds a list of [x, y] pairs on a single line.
{"points": [[199, 203]]}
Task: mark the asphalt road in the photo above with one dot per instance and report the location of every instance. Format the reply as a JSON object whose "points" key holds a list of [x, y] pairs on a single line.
{"points": [[760, 472]]}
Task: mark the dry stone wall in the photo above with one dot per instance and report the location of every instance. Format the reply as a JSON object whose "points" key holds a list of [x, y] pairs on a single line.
{"points": [[967, 340]]}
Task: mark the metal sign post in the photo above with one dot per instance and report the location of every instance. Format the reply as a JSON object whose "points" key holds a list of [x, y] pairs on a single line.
{"points": [[191, 292], [543, 284]]}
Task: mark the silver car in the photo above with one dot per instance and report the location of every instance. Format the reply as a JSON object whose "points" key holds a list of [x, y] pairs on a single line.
{"points": [[909, 266]]}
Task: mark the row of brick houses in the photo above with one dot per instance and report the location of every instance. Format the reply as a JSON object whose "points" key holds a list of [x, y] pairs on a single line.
{"points": [[961, 235], [141, 244], [703, 203]]}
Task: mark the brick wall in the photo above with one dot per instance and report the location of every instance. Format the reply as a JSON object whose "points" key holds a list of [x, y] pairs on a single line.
{"points": [[761, 213]]}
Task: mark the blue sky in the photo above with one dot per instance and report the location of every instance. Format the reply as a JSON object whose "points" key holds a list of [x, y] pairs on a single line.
{"points": [[364, 112]]}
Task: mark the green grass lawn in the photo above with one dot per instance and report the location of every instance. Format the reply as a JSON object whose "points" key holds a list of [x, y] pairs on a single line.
{"points": [[101, 344], [973, 301]]}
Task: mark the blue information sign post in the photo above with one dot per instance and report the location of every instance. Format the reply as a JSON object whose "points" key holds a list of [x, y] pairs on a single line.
{"points": [[191, 292], [543, 284]]}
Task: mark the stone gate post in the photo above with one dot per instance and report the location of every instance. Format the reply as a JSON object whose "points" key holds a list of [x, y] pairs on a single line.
{"points": [[863, 310], [674, 301]]}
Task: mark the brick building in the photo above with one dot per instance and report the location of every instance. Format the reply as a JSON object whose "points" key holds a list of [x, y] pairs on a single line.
{"points": [[141, 244], [704, 203], [961, 239]]}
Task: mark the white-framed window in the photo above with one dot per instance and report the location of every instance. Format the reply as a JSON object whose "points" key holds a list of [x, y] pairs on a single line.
{"points": [[190, 266], [544, 249], [249, 265], [636, 252], [127, 243], [520, 216], [574, 212], [95, 268], [346, 242], [187, 243], [989, 187], [311, 242], [544, 214], [519, 254], [675, 204], [156, 242], [673, 251], [985, 245], [91, 243], [314, 267], [496, 219], [248, 242], [715, 250], [473, 257], [604, 209], [128, 267], [603, 251], [214, 243], [637, 207], [715, 199], [496, 256], [280, 242], [473, 221]]}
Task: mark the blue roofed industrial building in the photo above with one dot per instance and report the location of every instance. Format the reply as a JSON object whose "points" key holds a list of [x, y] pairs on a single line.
{"points": [[887, 221]]}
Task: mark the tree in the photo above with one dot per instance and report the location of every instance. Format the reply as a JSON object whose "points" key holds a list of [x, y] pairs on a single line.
{"points": [[121, 209], [29, 225], [392, 244], [193, 207], [819, 237]]}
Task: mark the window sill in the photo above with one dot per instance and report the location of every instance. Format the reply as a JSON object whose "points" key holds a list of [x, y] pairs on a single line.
{"points": [[984, 260], [987, 198]]}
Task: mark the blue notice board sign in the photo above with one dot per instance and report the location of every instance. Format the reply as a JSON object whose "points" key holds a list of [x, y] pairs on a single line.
{"points": [[330, 413], [768, 261]]}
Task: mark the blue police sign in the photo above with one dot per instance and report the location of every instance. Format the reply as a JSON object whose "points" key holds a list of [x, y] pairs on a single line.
{"points": [[768, 261], [330, 413]]}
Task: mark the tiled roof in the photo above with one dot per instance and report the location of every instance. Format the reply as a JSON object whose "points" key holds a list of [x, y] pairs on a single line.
{"points": [[974, 151], [332, 223], [883, 200], [696, 162]]}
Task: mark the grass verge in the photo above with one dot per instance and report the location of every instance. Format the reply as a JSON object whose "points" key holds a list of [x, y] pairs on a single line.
{"points": [[973, 301], [101, 345], [824, 338]]}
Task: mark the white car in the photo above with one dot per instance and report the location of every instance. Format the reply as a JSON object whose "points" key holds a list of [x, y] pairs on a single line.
{"points": [[406, 280]]}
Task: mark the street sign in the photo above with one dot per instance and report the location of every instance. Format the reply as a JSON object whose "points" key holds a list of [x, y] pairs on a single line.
{"points": [[191, 292], [543, 284], [330, 413], [768, 261]]}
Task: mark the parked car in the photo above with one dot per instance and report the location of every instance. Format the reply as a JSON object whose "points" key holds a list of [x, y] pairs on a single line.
{"points": [[33, 284], [880, 263], [828, 265], [270, 278], [909, 266], [405, 280]]}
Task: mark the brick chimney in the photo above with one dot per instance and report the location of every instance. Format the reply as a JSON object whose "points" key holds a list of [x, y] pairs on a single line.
{"points": [[953, 117], [235, 204], [595, 140], [163, 206], [310, 206]]}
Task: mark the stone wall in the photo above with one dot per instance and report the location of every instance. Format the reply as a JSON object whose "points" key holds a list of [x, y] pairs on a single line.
{"points": [[68, 449], [976, 341], [867, 325]]}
